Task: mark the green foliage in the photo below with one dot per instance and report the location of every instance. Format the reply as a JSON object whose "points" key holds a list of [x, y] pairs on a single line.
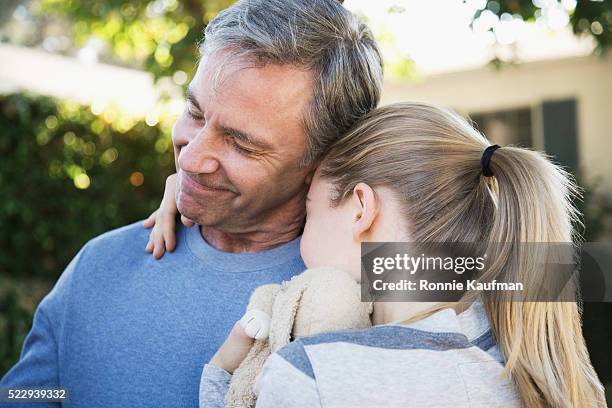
{"points": [[159, 36], [67, 175], [594, 18], [15, 320], [589, 17], [596, 210]]}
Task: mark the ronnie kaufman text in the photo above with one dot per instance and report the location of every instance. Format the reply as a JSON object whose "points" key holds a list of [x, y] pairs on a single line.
{"points": [[425, 285]]}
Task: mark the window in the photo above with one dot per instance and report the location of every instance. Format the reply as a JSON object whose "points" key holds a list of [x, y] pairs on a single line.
{"points": [[506, 127]]}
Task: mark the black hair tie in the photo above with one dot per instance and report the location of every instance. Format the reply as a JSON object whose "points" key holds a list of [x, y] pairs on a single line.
{"points": [[486, 159]]}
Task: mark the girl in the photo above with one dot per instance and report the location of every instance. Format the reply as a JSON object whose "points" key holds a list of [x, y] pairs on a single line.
{"points": [[412, 172]]}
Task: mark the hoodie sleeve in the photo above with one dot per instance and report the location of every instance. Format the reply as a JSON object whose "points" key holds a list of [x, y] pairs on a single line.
{"points": [[287, 380], [213, 386]]}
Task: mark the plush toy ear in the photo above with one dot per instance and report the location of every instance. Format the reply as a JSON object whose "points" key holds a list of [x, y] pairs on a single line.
{"points": [[283, 313]]}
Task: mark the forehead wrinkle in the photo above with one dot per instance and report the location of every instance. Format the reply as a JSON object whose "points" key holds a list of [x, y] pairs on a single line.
{"points": [[241, 61]]}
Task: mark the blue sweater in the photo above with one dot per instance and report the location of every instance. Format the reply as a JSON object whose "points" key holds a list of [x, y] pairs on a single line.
{"points": [[121, 329]]}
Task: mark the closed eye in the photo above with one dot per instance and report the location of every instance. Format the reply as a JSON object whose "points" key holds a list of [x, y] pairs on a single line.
{"points": [[240, 149], [194, 115]]}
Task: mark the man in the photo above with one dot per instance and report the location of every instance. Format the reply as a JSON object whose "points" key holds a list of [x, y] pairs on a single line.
{"points": [[278, 82]]}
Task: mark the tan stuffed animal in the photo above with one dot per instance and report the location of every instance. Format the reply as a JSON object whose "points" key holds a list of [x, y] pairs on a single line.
{"points": [[315, 301]]}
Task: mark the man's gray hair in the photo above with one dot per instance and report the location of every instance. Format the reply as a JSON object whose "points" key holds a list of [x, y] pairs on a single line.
{"points": [[318, 35]]}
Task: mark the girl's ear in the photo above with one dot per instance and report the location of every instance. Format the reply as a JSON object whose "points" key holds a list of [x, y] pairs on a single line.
{"points": [[365, 208]]}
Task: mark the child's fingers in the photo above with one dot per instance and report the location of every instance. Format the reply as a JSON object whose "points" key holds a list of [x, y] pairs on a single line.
{"points": [[169, 236], [170, 243], [149, 247], [186, 221], [158, 243], [159, 250], [149, 222]]}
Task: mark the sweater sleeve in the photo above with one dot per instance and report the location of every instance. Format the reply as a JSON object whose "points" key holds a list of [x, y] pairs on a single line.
{"points": [[38, 364], [213, 386], [286, 383]]}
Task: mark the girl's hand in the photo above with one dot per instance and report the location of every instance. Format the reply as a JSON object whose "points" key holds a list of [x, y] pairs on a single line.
{"points": [[233, 350], [255, 324], [162, 220]]}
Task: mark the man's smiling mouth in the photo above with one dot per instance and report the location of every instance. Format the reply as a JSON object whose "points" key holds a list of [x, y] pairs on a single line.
{"points": [[192, 182]]}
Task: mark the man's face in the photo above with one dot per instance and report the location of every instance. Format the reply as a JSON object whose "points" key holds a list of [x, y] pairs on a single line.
{"points": [[239, 142]]}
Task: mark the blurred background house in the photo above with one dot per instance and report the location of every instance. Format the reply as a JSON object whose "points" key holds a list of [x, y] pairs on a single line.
{"points": [[560, 105], [89, 91]]}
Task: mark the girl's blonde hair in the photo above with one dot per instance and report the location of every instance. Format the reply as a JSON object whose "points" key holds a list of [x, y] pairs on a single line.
{"points": [[431, 158]]}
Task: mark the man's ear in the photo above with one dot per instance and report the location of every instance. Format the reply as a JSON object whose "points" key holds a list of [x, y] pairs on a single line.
{"points": [[365, 208]]}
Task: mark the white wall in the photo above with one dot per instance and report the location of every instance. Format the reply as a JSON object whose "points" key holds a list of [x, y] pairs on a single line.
{"points": [[587, 79], [29, 69]]}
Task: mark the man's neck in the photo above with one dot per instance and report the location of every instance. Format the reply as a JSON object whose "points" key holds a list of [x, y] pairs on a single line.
{"points": [[282, 226], [248, 242]]}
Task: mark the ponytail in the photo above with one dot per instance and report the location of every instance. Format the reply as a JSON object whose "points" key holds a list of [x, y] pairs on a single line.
{"points": [[542, 341]]}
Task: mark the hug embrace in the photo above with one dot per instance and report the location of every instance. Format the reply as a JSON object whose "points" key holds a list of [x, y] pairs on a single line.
{"points": [[284, 166]]}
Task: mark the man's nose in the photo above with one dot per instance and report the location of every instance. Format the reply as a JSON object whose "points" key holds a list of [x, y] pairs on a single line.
{"points": [[200, 153]]}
